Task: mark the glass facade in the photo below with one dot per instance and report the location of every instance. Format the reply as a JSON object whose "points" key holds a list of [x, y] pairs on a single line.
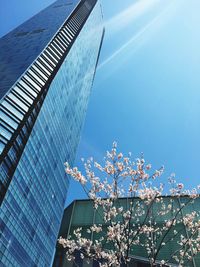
{"points": [[33, 205], [22, 45]]}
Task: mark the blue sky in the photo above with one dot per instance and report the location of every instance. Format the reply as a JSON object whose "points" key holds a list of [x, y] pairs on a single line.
{"points": [[146, 94]]}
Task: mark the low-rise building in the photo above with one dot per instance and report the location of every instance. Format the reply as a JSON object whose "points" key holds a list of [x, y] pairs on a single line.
{"points": [[81, 213]]}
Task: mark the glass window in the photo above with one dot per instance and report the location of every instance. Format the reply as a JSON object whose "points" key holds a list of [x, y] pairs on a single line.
{"points": [[12, 110], [46, 58], [65, 43], [51, 57], [45, 77], [66, 37], [58, 43], [45, 63], [35, 77], [58, 51], [53, 53], [27, 88], [18, 102], [42, 68], [70, 32], [9, 120], [31, 81], [21, 93]]}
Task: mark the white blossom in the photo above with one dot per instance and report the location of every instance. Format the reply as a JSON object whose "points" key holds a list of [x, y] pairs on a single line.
{"points": [[134, 224]]}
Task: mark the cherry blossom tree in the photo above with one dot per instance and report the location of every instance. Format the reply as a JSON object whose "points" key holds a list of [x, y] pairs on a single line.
{"points": [[151, 221]]}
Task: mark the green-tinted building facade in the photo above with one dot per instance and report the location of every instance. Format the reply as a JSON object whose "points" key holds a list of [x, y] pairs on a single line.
{"points": [[81, 213]]}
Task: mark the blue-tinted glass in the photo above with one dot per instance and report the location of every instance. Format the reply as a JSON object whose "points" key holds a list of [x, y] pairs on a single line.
{"points": [[22, 45], [33, 206]]}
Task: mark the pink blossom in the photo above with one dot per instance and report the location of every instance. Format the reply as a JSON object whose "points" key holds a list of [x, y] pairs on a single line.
{"points": [[126, 224], [180, 186]]}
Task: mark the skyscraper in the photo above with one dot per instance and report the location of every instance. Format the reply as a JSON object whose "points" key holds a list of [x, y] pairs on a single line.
{"points": [[47, 70]]}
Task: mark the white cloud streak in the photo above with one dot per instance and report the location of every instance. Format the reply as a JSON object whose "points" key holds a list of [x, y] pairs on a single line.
{"points": [[136, 37], [124, 18]]}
